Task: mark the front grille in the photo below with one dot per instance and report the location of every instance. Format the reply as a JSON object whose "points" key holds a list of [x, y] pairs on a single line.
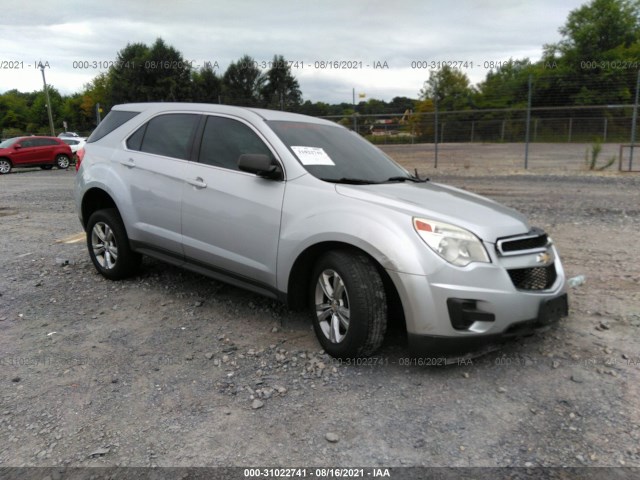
{"points": [[535, 239], [536, 278], [525, 244]]}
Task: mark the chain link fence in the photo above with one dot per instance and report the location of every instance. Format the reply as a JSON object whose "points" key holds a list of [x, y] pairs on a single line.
{"points": [[590, 126]]}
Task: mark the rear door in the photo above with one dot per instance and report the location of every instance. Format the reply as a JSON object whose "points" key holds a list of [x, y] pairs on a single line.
{"points": [[231, 219], [153, 166], [46, 150]]}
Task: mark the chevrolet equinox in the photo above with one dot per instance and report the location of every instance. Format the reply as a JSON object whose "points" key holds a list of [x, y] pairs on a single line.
{"points": [[306, 211]]}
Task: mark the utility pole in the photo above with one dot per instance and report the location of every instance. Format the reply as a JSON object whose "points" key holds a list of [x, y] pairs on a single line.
{"points": [[355, 121], [528, 128], [435, 129], [634, 122], [46, 95]]}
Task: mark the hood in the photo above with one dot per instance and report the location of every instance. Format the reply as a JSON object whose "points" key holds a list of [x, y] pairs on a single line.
{"points": [[484, 217]]}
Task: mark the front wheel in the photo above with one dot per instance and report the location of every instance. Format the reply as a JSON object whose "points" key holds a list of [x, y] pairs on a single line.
{"points": [[109, 247], [350, 307], [62, 162], [5, 166]]}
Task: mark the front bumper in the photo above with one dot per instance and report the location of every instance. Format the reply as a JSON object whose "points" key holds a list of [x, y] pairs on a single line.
{"points": [[464, 308], [549, 313]]}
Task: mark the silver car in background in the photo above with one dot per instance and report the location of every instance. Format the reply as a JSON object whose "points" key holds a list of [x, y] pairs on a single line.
{"points": [[303, 210]]}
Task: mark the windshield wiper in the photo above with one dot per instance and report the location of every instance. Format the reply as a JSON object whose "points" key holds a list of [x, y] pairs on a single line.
{"points": [[362, 181], [411, 179], [350, 181]]}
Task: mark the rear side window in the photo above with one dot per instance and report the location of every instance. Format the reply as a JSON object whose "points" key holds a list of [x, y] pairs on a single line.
{"points": [[169, 135], [224, 140], [134, 142], [113, 120]]}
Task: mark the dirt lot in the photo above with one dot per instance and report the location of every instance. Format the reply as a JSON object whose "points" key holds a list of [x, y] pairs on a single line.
{"points": [[173, 369]]}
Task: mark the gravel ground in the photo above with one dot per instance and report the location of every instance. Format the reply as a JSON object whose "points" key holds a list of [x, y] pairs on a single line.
{"points": [[172, 369]]}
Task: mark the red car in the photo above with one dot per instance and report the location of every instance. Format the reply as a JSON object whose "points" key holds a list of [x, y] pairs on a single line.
{"points": [[43, 152]]}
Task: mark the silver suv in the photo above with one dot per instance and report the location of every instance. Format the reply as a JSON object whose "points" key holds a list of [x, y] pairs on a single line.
{"points": [[303, 210]]}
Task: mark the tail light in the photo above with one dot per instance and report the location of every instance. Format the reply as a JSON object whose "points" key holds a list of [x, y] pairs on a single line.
{"points": [[80, 156]]}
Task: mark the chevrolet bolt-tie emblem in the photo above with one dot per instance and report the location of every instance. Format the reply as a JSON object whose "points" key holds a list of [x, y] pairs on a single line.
{"points": [[543, 258]]}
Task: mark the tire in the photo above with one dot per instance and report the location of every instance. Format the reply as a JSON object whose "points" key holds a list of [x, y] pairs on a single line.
{"points": [[5, 166], [349, 304], [109, 246], [46, 167], [62, 162]]}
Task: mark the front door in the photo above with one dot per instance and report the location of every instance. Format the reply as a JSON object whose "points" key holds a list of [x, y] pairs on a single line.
{"points": [[230, 218]]}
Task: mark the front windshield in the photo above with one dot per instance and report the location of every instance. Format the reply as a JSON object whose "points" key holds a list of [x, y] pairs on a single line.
{"points": [[335, 153], [8, 142]]}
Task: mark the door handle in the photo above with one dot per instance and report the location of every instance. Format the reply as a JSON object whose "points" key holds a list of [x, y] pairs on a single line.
{"points": [[197, 182]]}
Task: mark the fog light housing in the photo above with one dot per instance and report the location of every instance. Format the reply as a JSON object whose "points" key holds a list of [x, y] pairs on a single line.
{"points": [[464, 312]]}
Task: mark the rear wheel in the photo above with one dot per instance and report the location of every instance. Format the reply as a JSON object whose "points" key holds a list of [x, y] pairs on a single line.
{"points": [[62, 161], [5, 166], [109, 247], [350, 307]]}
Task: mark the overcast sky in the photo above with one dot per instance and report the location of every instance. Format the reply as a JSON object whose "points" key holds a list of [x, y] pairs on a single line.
{"points": [[370, 33]]}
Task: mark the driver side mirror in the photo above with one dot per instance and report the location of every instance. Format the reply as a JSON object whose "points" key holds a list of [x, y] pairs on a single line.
{"points": [[17, 147], [260, 164]]}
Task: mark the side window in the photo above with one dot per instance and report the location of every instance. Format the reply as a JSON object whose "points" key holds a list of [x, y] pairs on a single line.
{"points": [[113, 120], [41, 142], [169, 135], [134, 142], [27, 143], [224, 140]]}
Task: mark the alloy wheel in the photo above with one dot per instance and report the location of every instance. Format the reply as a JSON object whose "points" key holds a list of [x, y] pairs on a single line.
{"points": [[104, 245], [332, 306]]}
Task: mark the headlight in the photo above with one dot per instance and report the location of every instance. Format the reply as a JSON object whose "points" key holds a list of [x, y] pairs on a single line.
{"points": [[456, 245]]}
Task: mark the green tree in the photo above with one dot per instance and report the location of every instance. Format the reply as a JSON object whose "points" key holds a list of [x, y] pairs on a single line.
{"points": [[147, 74], [280, 89], [206, 85], [598, 39], [168, 74], [317, 109], [14, 110], [341, 109], [127, 77], [596, 28], [97, 92], [401, 104], [242, 82], [449, 88], [507, 86], [373, 106], [72, 113], [421, 122], [38, 115]]}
